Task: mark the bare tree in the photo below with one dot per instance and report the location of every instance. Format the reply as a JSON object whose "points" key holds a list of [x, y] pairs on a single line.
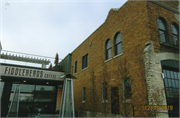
{"points": [[93, 94], [140, 88], [143, 93], [124, 79], [104, 87]]}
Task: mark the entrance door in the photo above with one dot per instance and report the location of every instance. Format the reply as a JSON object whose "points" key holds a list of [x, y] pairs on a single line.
{"points": [[35, 100], [114, 100], [171, 81]]}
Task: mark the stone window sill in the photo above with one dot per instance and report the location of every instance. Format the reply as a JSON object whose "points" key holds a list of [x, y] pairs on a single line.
{"points": [[104, 101], [108, 60], [83, 102], [168, 44], [84, 69], [118, 55]]}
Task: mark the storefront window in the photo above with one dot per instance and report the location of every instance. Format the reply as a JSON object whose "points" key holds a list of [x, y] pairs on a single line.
{"points": [[171, 81], [45, 88], [1, 88], [24, 88], [35, 99]]}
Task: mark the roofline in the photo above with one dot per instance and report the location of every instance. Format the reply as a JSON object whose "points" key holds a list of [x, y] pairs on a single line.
{"points": [[97, 28], [87, 37], [165, 6], [29, 67]]}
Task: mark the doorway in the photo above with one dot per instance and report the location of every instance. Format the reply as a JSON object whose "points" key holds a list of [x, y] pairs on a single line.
{"points": [[171, 82], [170, 69], [35, 100]]}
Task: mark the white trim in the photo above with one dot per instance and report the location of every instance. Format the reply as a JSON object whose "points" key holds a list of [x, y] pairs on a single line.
{"points": [[168, 55], [118, 55], [84, 69], [108, 60], [25, 58], [83, 101], [104, 101]]}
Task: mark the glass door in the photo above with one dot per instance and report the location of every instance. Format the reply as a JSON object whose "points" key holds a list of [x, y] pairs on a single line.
{"points": [[35, 100]]}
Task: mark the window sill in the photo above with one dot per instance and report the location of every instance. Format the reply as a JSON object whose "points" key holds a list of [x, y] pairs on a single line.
{"points": [[108, 60], [127, 101], [168, 44], [83, 102], [104, 101], [118, 55], [84, 69]]}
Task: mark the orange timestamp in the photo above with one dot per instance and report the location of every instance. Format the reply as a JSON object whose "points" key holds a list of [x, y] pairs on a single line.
{"points": [[158, 107]]}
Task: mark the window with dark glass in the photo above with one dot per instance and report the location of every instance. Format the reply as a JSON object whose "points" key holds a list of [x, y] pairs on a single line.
{"points": [[84, 94], [163, 30], [75, 71], [170, 72], [108, 49], [118, 43], [33, 97], [85, 61], [104, 91], [175, 32], [127, 88], [1, 88]]}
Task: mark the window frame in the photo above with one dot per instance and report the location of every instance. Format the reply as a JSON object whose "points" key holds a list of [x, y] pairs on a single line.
{"points": [[125, 92], [116, 44], [75, 69], [104, 91], [108, 50], [165, 31], [85, 61], [173, 34], [83, 94]]}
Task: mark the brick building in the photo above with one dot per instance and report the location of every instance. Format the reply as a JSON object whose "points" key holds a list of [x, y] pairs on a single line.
{"points": [[129, 60]]}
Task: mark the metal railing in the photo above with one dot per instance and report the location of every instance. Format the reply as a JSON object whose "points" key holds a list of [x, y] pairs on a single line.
{"points": [[25, 59]]}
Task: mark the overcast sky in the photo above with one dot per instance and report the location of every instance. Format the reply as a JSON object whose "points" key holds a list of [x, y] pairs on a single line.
{"points": [[47, 27]]}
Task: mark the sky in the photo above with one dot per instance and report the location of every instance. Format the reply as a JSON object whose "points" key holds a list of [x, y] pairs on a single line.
{"points": [[47, 27]]}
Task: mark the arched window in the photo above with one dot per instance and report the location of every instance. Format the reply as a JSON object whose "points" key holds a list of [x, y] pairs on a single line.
{"points": [[175, 32], [163, 30], [108, 49], [118, 43]]}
